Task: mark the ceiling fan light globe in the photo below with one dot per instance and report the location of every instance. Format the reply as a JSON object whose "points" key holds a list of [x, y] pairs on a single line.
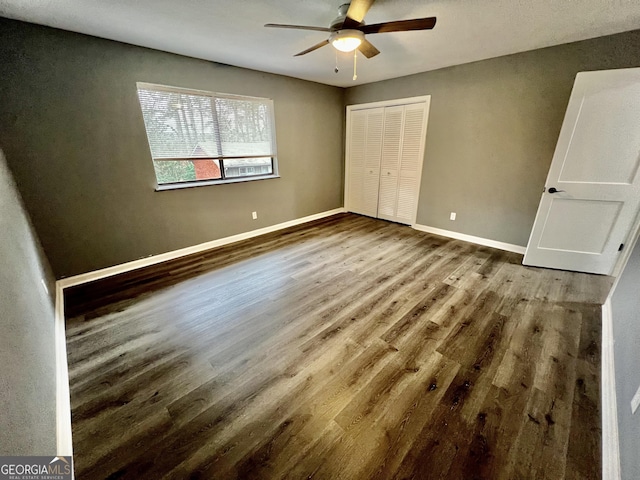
{"points": [[346, 40], [347, 44]]}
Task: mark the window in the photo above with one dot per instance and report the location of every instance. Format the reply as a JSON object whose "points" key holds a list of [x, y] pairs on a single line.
{"points": [[203, 138]]}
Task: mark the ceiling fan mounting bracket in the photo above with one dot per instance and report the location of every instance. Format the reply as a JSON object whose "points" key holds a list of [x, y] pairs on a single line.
{"points": [[338, 22]]}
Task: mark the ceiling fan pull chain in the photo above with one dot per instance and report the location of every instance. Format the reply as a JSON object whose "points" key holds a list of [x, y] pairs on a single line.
{"points": [[355, 64], [336, 69]]}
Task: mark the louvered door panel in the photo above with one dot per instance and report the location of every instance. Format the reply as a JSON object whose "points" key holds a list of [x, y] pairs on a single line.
{"points": [[356, 192], [388, 195], [355, 164], [373, 145], [358, 139], [392, 138], [407, 199], [370, 194], [372, 156], [412, 140], [411, 159]]}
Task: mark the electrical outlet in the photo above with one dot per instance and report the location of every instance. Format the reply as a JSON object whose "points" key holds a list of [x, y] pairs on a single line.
{"points": [[254, 215], [635, 401], [452, 216]]}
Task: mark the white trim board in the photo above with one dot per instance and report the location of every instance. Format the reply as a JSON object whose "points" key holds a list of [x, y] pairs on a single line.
{"points": [[509, 247], [610, 438], [626, 254], [390, 103], [183, 252], [64, 444]]}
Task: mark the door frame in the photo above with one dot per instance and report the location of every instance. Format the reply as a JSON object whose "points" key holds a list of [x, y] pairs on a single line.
{"points": [[426, 99], [634, 232]]}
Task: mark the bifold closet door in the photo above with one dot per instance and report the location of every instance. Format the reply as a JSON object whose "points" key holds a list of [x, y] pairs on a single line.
{"points": [[390, 162], [385, 150], [411, 158], [363, 161], [401, 164]]}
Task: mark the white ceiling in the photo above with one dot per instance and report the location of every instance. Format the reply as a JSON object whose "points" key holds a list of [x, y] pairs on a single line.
{"points": [[232, 31]]}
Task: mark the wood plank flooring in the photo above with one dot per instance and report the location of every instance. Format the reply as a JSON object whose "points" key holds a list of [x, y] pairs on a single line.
{"points": [[347, 348]]}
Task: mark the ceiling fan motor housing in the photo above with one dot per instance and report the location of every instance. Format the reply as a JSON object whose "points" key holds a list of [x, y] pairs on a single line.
{"points": [[337, 22]]}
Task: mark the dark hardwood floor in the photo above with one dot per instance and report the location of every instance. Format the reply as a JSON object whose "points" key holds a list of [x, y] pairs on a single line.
{"points": [[347, 348]]}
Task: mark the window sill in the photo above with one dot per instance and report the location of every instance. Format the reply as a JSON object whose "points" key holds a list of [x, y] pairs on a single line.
{"points": [[205, 183]]}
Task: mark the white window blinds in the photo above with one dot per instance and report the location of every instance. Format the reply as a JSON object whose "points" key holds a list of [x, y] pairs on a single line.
{"points": [[184, 124]]}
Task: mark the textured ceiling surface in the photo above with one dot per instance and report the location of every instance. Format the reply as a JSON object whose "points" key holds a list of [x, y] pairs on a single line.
{"points": [[232, 31]]}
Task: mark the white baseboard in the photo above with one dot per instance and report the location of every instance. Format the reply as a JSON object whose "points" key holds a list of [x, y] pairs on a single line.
{"points": [[610, 438], [63, 399], [64, 446], [183, 252], [509, 247]]}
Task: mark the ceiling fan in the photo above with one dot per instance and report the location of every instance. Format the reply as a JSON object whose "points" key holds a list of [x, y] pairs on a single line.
{"points": [[347, 31]]}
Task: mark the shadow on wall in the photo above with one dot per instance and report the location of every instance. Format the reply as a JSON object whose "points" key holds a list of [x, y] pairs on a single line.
{"points": [[27, 356]]}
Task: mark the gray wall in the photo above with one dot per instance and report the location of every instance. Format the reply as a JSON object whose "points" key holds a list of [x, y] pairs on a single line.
{"points": [[73, 134], [625, 305], [492, 131], [27, 375]]}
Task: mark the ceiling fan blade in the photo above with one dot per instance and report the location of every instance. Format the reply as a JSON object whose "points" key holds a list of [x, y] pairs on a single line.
{"points": [[400, 26], [367, 49], [357, 10], [311, 49], [297, 27]]}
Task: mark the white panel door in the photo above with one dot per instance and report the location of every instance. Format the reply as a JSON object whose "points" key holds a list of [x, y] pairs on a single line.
{"points": [[592, 195]]}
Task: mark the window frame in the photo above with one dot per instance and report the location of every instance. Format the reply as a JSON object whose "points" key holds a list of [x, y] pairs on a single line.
{"points": [[217, 181]]}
